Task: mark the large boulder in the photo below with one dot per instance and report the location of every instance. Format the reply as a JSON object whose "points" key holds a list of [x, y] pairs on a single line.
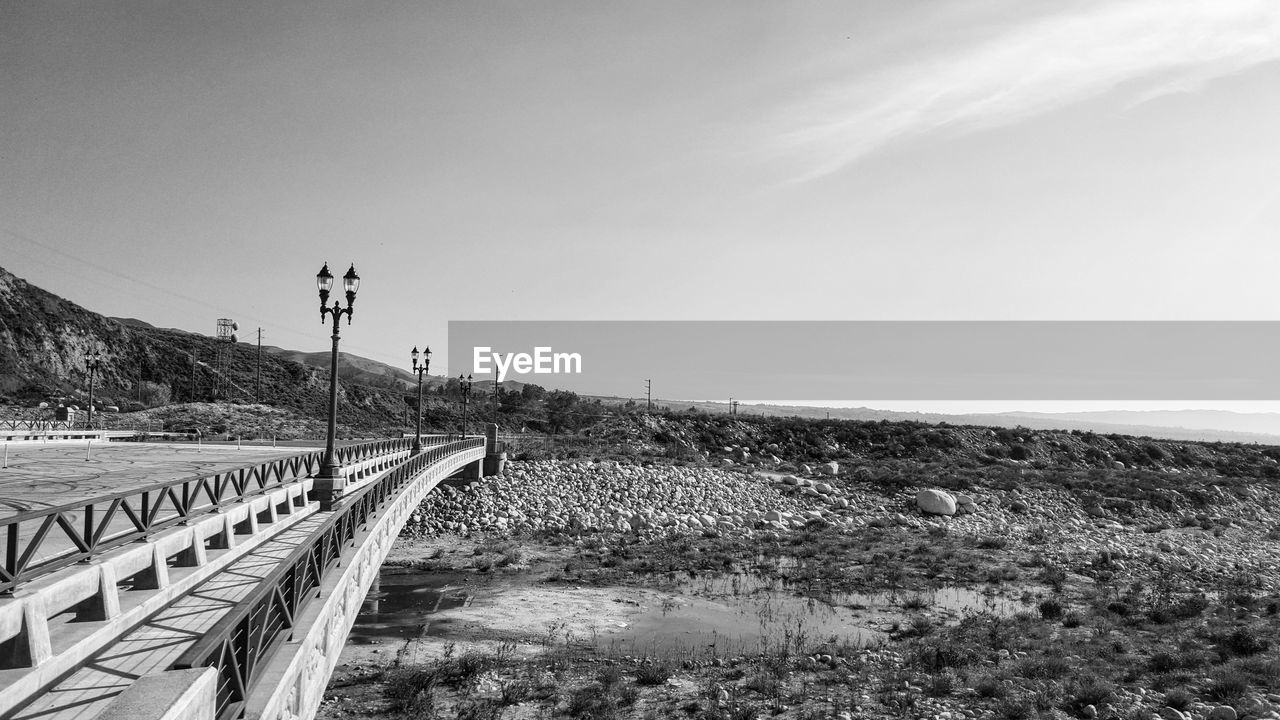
{"points": [[936, 502], [831, 468]]}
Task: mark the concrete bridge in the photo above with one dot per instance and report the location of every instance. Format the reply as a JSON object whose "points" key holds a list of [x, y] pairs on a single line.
{"points": [[221, 594]]}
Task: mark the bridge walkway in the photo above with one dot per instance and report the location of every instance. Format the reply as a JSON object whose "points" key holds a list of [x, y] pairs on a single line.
{"points": [[161, 640]]}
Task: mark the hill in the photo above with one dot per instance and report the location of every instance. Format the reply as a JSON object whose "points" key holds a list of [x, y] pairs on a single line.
{"points": [[355, 369], [363, 371], [45, 338]]}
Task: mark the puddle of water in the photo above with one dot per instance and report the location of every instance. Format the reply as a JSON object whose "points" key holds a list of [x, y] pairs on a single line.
{"points": [[401, 602], [736, 613], [726, 613]]}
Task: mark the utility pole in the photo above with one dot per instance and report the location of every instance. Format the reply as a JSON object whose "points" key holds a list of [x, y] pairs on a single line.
{"points": [[257, 384], [648, 394]]}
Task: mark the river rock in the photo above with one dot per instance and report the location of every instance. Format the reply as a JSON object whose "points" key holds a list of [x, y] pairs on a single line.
{"points": [[936, 502], [1222, 712]]}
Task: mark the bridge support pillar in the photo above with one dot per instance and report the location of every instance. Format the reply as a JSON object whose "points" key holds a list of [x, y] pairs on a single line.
{"points": [[495, 458]]}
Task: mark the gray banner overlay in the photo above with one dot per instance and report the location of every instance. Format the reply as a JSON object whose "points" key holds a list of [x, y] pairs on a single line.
{"points": [[867, 360]]}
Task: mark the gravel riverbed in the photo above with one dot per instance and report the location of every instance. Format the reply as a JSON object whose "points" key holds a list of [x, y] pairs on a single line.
{"points": [[1238, 533]]}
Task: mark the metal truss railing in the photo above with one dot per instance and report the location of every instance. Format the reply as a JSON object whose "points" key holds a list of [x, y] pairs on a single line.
{"points": [[243, 640], [37, 542]]}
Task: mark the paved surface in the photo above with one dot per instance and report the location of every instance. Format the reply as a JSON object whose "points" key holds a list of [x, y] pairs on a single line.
{"points": [[47, 475]]}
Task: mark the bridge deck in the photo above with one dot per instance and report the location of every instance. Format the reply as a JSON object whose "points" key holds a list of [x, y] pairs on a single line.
{"points": [[41, 476], [158, 642]]}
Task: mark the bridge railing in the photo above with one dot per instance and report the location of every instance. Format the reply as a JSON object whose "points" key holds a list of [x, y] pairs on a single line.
{"points": [[38, 542], [243, 640]]}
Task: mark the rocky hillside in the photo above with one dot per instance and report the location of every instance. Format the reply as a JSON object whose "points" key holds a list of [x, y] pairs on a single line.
{"points": [[45, 338]]}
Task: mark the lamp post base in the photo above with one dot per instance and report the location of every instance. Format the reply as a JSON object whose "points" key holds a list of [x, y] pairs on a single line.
{"points": [[329, 485], [417, 448]]}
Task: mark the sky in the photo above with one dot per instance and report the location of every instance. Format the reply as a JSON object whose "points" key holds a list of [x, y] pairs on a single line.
{"points": [[718, 160]]}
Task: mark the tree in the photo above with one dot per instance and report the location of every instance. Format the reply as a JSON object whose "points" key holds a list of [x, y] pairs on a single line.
{"points": [[153, 394], [560, 406]]}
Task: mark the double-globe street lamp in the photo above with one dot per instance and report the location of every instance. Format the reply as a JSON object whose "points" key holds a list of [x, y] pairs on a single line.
{"points": [[91, 364], [421, 370], [464, 384], [329, 481]]}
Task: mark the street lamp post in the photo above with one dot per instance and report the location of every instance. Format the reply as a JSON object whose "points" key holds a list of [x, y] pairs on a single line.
{"points": [[91, 364], [465, 385], [421, 370], [329, 481]]}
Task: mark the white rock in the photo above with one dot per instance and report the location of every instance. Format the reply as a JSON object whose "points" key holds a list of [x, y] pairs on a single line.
{"points": [[936, 502]]}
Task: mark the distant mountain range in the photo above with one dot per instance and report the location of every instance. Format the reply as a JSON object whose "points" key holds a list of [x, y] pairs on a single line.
{"points": [[1202, 425]]}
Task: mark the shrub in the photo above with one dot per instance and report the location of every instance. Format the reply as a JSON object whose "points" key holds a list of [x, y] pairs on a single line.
{"points": [[1263, 671], [1015, 708], [412, 691], [609, 676], [914, 602], [941, 685], [765, 683], [1072, 620], [1054, 576], [1227, 684], [628, 695], [1087, 690], [1049, 667], [921, 625], [1243, 641], [1051, 609], [510, 556], [1178, 698], [591, 704], [656, 672], [935, 655], [990, 686]]}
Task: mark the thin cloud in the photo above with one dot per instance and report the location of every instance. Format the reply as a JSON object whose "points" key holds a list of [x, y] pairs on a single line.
{"points": [[1154, 47]]}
